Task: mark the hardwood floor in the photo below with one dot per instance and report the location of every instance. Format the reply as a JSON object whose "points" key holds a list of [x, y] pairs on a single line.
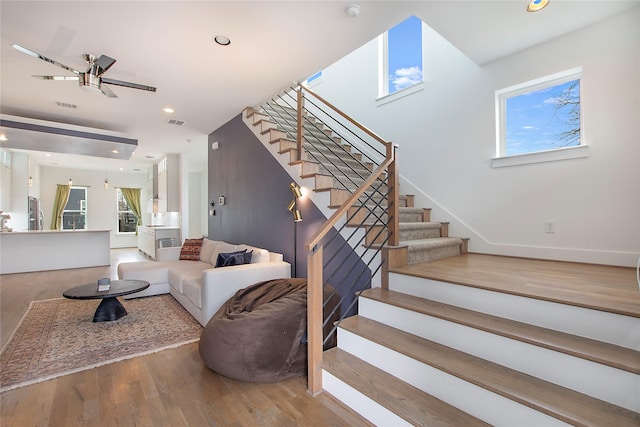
{"points": [[606, 288], [168, 388]]}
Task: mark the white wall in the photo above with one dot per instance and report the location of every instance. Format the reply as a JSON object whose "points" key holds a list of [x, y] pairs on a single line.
{"points": [[446, 134], [101, 203]]}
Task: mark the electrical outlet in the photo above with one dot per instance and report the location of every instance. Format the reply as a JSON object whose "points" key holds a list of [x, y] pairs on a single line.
{"points": [[221, 200], [549, 226]]}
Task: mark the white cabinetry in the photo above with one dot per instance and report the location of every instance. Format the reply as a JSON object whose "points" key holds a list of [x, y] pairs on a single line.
{"points": [[149, 237], [169, 184]]}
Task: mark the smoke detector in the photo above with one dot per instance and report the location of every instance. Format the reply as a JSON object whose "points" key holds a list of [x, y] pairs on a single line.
{"points": [[353, 10]]}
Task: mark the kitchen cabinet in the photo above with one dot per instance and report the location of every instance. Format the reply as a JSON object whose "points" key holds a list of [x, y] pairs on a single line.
{"points": [[169, 184], [150, 238]]}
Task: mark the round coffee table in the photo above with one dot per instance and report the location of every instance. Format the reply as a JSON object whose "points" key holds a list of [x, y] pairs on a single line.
{"points": [[110, 308]]}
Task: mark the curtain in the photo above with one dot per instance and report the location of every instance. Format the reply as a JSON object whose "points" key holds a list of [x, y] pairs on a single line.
{"points": [[62, 197], [132, 197]]}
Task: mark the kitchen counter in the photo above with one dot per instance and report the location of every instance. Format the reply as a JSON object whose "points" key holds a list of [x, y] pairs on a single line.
{"points": [[41, 250]]}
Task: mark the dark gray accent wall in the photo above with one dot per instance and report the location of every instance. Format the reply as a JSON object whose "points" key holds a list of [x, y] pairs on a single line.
{"points": [[256, 192]]}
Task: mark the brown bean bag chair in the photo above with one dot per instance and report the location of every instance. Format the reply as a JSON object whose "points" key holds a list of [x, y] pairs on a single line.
{"points": [[258, 334]]}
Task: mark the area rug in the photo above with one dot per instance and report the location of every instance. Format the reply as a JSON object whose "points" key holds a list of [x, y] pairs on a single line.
{"points": [[58, 337]]}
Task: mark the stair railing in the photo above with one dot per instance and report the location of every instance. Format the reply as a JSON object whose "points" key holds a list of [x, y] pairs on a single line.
{"points": [[348, 252]]}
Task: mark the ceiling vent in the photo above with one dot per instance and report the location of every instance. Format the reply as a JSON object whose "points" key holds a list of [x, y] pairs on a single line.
{"points": [[66, 105], [175, 122]]}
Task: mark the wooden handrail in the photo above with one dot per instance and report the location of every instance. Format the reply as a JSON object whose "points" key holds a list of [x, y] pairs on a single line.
{"points": [[347, 117], [342, 210]]}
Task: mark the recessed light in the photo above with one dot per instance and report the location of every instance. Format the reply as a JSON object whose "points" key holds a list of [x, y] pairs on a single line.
{"points": [[48, 154], [222, 40], [537, 5], [168, 110], [3, 137], [115, 151], [121, 169]]}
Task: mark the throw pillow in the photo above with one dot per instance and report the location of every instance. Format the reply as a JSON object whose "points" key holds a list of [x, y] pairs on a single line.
{"points": [[234, 258], [191, 249]]}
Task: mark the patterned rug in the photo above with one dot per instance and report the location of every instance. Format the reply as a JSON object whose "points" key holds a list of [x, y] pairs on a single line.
{"points": [[58, 337]]}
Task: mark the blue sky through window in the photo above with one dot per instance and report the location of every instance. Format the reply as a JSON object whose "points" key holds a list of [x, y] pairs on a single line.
{"points": [[535, 123], [404, 53]]}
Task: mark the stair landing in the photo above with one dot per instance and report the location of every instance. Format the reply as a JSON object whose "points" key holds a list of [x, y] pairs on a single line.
{"points": [[606, 288]]}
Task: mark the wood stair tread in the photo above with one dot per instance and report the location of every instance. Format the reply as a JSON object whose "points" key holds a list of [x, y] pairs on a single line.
{"points": [[401, 398], [556, 401], [431, 243], [597, 351]]}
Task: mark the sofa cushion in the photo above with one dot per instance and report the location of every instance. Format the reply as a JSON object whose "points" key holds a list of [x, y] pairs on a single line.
{"points": [[234, 258], [181, 270], [207, 250], [191, 249], [221, 247], [151, 271], [259, 255]]}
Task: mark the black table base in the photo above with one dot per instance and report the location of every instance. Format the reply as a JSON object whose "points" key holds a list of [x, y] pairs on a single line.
{"points": [[110, 309]]}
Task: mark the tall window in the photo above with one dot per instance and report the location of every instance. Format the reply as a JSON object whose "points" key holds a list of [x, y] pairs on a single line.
{"points": [[402, 56], [541, 115], [126, 219], [74, 216]]}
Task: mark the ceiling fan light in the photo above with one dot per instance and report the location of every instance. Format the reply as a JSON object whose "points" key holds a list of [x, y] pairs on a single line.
{"points": [[537, 5], [89, 82]]}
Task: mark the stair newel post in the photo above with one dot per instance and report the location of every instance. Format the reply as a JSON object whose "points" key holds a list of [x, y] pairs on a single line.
{"points": [[314, 321], [393, 196], [299, 127]]}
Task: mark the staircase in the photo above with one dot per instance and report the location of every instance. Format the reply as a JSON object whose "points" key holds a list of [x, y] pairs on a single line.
{"points": [[337, 168], [481, 360], [438, 353]]}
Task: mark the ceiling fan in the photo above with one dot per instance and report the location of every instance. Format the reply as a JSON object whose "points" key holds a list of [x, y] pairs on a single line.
{"points": [[90, 80]]}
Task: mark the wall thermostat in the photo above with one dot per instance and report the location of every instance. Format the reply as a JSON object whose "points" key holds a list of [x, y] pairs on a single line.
{"points": [[221, 200]]}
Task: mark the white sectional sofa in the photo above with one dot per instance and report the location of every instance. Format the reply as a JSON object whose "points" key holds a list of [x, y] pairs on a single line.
{"points": [[198, 285]]}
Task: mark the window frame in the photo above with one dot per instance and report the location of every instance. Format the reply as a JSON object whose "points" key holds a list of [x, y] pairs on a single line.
{"points": [[561, 153], [118, 212], [384, 95]]}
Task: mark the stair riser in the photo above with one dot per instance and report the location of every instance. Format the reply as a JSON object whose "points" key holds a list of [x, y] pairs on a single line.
{"points": [[602, 382], [599, 325], [369, 409], [422, 255], [410, 217], [474, 400], [427, 233]]}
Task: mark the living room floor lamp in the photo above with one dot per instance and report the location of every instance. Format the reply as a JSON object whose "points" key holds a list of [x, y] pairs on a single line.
{"points": [[297, 217]]}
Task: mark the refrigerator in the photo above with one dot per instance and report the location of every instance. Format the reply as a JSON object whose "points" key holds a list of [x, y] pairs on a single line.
{"points": [[36, 219]]}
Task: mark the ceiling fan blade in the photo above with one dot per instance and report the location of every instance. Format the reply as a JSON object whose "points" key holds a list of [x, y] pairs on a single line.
{"points": [[108, 92], [104, 63], [56, 77], [128, 84], [44, 58]]}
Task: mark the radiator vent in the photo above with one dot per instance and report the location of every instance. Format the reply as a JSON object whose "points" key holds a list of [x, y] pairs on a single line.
{"points": [[175, 122]]}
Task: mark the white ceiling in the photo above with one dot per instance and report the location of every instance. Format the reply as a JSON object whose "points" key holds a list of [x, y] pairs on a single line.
{"points": [[168, 44]]}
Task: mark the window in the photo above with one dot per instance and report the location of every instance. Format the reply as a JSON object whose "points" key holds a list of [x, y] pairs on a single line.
{"points": [[127, 221], [540, 116], [401, 65], [314, 78], [74, 215]]}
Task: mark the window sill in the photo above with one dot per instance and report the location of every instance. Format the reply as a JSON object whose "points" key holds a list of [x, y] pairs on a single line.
{"points": [[400, 94], [568, 153]]}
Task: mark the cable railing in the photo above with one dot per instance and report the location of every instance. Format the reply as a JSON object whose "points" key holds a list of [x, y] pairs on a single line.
{"points": [[347, 254]]}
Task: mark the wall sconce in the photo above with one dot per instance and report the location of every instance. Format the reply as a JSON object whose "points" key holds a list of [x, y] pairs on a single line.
{"points": [[106, 184], [297, 217], [30, 182], [70, 182]]}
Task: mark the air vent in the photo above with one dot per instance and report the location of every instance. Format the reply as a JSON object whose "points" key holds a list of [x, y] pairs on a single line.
{"points": [[175, 122], [66, 105]]}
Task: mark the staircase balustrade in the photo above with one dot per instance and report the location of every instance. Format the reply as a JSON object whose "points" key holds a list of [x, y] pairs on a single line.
{"points": [[364, 164]]}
